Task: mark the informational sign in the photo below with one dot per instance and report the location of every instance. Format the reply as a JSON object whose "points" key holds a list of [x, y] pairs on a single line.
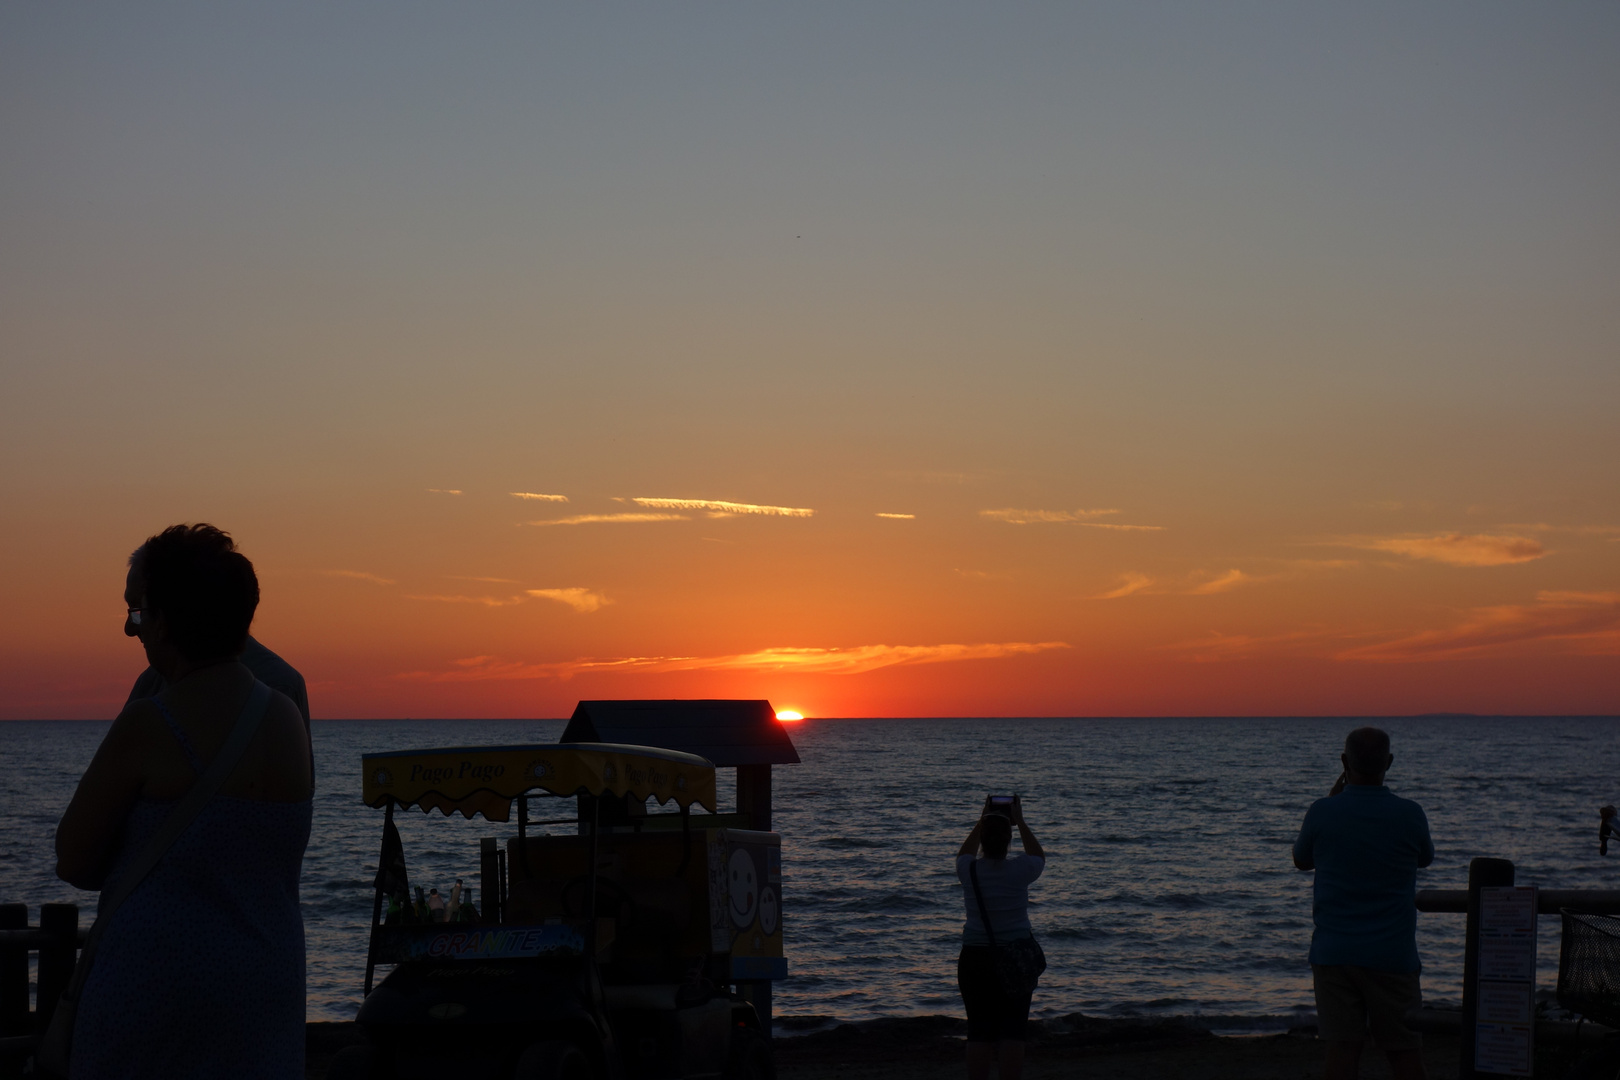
{"points": [[1504, 1033]]}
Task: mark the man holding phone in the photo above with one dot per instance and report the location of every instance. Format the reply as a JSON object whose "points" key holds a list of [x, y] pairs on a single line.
{"points": [[1366, 846]]}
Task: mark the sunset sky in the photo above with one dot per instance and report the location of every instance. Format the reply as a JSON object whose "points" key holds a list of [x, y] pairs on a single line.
{"points": [[879, 360]]}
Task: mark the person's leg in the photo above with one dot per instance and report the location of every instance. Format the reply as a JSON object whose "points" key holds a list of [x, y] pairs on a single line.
{"points": [[1406, 1065], [1011, 1056], [1391, 997], [1343, 1061], [978, 1057], [1341, 1020]]}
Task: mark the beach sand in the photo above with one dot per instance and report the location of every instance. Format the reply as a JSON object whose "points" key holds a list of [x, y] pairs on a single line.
{"points": [[931, 1048]]}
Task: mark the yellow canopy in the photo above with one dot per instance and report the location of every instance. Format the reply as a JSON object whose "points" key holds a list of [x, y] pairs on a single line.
{"points": [[485, 779]]}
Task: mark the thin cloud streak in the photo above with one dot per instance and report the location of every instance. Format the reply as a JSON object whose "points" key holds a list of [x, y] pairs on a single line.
{"points": [[610, 519], [1132, 583], [445, 491], [1229, 580], [581, 600], [1456, 549], [536, 496], [1591, 621], [486, 601], [719, 507], [899, 517], [360, 575], [1042, 517], [812, 661]]}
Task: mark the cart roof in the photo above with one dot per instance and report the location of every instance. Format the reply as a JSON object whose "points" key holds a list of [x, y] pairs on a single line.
{"points": [[726, 731], [485, 779]]}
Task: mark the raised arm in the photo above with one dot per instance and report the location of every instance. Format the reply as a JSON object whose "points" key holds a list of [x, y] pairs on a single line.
{"points": [[1032, 846], [970, 846]]}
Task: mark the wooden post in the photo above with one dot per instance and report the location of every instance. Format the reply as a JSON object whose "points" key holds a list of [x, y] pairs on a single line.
{"points": [[754, 795], [60, 923], [377, 901], [1482, 873], [754, 800], [489, 880], [13, 973]]}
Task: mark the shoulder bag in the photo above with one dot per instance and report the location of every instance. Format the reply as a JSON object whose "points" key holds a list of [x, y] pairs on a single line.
{"points": [[56, 1045], [1019, 963]]}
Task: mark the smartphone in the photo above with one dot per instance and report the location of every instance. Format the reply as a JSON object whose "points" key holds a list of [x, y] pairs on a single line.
{"points": [[1001, 802]]}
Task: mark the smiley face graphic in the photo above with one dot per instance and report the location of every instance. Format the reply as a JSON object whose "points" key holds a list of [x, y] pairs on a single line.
{"points": [[743, 885], [768, 910]]}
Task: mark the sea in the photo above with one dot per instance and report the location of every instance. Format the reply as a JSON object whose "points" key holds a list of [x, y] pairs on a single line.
{"points": [[1169, 889]]}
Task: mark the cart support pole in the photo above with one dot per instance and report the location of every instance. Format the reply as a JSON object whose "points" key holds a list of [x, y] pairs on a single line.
{"points": [[590, 888], [377, 900]]}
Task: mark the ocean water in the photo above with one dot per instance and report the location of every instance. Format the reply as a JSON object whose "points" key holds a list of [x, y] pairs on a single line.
{"points": [[1169, 888]]}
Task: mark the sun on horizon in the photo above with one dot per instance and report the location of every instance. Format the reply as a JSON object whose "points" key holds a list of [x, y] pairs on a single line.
{"points": [[788, 716]]}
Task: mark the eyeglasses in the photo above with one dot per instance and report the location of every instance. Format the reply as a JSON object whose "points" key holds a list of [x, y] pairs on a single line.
{"points": [[135, 615]]}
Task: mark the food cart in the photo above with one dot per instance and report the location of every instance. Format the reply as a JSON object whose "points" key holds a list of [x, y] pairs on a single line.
{"points": [[602, 953]]}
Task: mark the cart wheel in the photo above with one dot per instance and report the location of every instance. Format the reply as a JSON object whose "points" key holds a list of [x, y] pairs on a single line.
{"points": [[351, 1063], [554, 1060], [751, 1057]]}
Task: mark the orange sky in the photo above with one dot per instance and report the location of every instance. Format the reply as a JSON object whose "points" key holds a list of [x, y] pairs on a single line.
{"points": [[1129, 366]]}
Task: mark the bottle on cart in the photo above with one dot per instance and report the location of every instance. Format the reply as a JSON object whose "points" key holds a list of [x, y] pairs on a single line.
{"points": [[452, 911], [392, 918], [435, 904], [420, 909], [469, 913]]}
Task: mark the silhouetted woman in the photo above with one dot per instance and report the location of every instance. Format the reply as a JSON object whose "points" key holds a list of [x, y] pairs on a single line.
{"points": [[200, 972], [996, 1020]]}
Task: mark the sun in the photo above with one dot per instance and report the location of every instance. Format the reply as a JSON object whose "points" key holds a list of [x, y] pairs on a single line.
{"points": [[788, 715]]}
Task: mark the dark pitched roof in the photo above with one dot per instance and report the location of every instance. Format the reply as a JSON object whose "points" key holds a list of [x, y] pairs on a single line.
{"points": [[726, 732]]}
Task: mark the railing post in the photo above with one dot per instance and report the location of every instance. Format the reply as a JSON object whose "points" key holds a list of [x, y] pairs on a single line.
{"points": [[60, 922], [1482, 873], [13, 973]]}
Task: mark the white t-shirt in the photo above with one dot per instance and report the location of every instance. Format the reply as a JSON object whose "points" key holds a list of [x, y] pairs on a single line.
{"points": [[1004, 884]]}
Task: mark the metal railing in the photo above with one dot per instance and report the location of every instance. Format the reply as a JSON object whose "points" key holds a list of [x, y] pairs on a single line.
{"points": [[56, 939]]}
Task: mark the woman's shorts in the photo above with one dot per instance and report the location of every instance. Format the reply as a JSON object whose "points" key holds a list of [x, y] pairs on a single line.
{"points": [[991, 1014]]}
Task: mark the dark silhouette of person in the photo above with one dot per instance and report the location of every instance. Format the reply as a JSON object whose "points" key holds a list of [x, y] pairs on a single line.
{"points": [[1366, 845]]}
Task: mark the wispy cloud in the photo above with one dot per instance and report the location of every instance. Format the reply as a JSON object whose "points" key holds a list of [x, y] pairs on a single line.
{"points": [[1042, 517], [486, 601], [1591, 621], [721, 507], [1119, 528], [1456, 549], [487, 580], [581, 600], [536, 496], [1130, 583], [611, 519], [1229, 580], [899, 517], [445, 491], [814, 661], [360, 575]]}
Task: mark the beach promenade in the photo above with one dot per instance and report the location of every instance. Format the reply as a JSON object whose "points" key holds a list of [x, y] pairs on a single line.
{"points": [[925, 1048]]}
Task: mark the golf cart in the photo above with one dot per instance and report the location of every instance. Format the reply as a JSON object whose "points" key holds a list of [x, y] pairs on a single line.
{"points": [[604, 952]]}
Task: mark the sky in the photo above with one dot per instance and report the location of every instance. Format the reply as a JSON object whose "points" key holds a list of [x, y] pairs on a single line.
{"points": [[878, 360]]}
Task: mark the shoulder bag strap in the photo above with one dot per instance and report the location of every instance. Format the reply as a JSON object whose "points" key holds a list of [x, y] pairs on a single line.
{"points": [[178, 821], [984, 912]]}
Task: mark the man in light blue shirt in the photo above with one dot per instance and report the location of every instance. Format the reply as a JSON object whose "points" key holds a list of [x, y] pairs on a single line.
{"points": [[1366, 845]]}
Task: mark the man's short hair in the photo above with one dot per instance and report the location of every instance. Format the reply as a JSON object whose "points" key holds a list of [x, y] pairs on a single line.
{"points": [[205, 589], [1367, 749]]}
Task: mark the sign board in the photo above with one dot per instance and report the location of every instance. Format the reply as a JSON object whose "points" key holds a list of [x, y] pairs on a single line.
{"points": [[1504, 1028]]}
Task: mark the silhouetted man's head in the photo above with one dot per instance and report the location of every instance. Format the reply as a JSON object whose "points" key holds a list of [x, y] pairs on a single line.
{"points": [[1366, 753]]}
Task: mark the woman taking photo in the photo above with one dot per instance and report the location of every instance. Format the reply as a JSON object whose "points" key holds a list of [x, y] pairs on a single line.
{"points": [[199, 971], [998, 887]]}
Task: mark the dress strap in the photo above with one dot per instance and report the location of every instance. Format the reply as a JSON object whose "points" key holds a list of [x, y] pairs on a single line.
{"points": [[179, 734]]}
